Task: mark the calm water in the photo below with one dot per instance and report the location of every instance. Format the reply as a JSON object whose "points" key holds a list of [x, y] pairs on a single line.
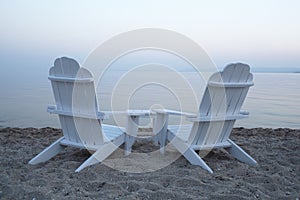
{"points": [[274, 101]]}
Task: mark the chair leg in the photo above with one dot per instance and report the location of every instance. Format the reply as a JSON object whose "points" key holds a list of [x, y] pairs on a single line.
{"points": [[48, 153], [162, 141], [240, 154], [188, 153], [131, 132], [129, 141], [102, 153], [155, 140], [195, 159]]}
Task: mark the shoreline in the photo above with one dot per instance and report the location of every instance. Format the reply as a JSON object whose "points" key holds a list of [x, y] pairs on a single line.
{"points": [[277, 175]]}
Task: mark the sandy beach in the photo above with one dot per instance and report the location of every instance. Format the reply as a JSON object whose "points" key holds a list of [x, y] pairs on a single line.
{"points": [[276, 177]]}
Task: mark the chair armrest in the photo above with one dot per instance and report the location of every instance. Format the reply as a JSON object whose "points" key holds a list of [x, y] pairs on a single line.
{"points": [[137, 113], [102, 115], [52, 109], [71, 80], [222, 84], [221, 118], [174, 112], [243, 112]]}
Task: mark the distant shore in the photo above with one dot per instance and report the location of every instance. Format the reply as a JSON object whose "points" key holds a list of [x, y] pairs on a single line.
{"points": [[277, 176]]}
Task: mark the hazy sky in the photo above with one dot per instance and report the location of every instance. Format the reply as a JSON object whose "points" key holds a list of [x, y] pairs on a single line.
{"points": [[262, 33]]}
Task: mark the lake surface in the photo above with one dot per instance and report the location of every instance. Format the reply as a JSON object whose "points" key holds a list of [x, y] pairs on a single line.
{"points": [[274, 100]]}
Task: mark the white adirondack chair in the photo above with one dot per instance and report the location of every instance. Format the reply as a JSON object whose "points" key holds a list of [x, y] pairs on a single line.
{"points": [[219, 109], [79, 116]]}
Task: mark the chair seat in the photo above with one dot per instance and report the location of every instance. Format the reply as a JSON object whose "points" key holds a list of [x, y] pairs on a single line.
{"points": [[181, 131], [111, 132]]}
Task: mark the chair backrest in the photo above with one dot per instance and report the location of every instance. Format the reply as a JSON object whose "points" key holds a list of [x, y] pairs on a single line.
{"points": [[222, 99], [76, 101]]}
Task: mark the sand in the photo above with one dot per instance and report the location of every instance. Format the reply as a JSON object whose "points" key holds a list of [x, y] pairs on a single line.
{"points": [[277, 176]]}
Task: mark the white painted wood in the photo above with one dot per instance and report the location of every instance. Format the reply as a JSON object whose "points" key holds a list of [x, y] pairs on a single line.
{"points": [[159, 128], [218, 84], [132, 130], [48, 153], [188, 152], [240, 154], [209, 147], [155, 132], [72, 80], [131, 126], [139, 113], [174, 112], [216, 118], [102, 153], [52, 109], [78, 114], [219, 109], [111, 132], [197, 132], [228, 125]]}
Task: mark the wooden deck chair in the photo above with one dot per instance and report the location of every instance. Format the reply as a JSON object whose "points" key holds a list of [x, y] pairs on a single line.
{"points": [[76, 106], [211, 128]]}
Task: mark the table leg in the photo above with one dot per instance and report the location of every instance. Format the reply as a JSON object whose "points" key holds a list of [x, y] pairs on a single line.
{"points": [[160, 129], [131, 132]]}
